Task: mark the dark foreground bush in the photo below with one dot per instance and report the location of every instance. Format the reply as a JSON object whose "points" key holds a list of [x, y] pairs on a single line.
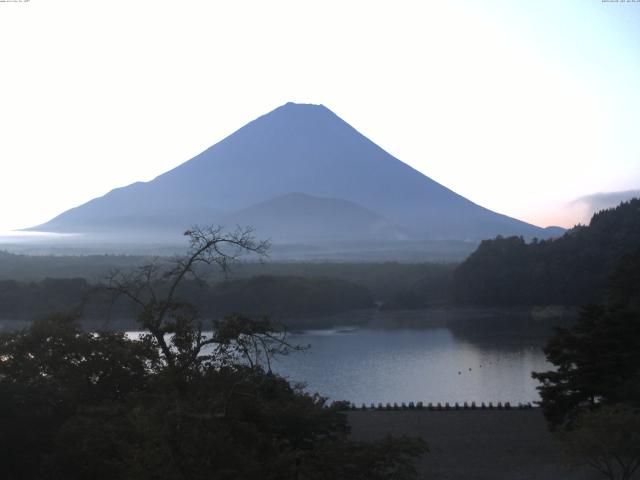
{"points": [[78, 405]]}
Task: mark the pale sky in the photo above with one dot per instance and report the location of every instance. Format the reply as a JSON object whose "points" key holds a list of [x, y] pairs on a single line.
{"points": [[520, 106]]}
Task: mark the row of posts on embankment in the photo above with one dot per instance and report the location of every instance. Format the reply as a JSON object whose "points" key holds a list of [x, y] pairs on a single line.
{"points": [[435, 406]]}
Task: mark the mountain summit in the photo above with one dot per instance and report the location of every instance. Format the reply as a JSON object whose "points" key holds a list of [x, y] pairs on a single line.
{"points": [[296, 148]]}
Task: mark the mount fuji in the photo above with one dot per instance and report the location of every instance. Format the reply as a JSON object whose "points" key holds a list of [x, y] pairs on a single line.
{"points": [[299, 174]]}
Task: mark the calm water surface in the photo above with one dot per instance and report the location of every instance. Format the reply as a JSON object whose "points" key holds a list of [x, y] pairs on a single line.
{"points": [[421, 356], [402, 365]]}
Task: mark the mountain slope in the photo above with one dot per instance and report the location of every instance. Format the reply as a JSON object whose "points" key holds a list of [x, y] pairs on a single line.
{"points": [[301, 218], [295, 148]]}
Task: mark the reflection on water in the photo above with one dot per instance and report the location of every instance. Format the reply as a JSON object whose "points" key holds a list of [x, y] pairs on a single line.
{"points": [[448, 355], [401, 365]]}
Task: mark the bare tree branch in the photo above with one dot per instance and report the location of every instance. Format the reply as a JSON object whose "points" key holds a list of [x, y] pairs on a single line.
{"points": [[175, 326]]}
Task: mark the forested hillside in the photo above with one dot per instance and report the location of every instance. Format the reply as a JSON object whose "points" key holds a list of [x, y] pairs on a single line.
{"points": [[570, 270]]}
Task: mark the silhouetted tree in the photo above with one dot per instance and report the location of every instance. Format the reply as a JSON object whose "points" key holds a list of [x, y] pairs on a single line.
{"points": [[172, 325], [593, 396], [598, 359]]}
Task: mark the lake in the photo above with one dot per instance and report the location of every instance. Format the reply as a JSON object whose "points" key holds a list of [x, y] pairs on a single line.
{"points": [[430, 356], [402, 365]]}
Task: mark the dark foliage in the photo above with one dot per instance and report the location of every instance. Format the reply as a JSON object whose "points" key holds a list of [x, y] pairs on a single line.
{"points": [[385, 281], [29, 300], [76, 405], [287, 295], [53, 372], [434, 288], [257, 295], [598, 359], [570, 270]]}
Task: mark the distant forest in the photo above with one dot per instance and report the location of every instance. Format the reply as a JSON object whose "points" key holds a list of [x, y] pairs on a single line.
{"points": [[570, 270], [273, 289], [263, 295]]}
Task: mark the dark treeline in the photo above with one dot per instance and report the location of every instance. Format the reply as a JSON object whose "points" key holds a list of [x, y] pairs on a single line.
{"points": [[432, 289], [287, 295], [27, 301], [570, 270], [384, 280], [262, 295], [32, 287]]}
